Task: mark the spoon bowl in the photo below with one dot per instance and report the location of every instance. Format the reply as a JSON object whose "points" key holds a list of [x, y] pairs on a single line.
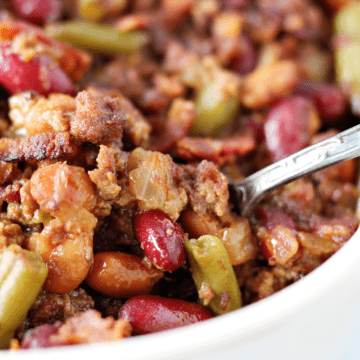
{"points": [[338, 148]]}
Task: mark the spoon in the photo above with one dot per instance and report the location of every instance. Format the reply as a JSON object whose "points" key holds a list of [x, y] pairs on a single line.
{"points": [[247, 193]]}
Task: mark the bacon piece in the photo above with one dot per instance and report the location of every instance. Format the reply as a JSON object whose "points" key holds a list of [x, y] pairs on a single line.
{"points": [[46, 145], [219, 151], [10, 192], [180, 119]]}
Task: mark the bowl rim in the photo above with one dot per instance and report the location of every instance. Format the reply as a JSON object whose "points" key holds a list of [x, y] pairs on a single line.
{"points": [[238, 324]]}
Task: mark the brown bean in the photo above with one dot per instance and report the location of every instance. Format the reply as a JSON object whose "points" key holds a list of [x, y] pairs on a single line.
{"points": [[198, 224], [121, 275], [270, 83]]}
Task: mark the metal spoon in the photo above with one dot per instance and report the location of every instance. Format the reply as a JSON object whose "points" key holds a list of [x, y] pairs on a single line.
{"points": [[247, 193]]}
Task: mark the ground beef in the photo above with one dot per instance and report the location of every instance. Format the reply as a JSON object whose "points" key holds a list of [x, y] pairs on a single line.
{"points": [[49, 308]]}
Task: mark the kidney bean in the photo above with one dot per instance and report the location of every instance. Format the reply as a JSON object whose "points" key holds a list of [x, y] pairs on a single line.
{"points": [[121, 275], [38, 11], [40, 74], [161, 238], [329, 100], [151, 313], [289, 126]]}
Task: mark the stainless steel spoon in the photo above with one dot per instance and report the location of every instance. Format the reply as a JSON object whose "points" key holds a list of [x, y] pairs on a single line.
{"points": [[247, 193]]}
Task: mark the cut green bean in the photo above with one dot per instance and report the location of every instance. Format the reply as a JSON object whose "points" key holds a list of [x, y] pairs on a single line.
{"points": [[96, 38], [22, 274], [346, 21], [214, 110], [210, 265], [347, 52]]}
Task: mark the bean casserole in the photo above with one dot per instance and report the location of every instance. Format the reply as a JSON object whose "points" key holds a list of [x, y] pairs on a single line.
{"points": [[121, 122]]}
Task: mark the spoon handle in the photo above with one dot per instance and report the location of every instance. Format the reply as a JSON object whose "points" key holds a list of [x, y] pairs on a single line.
{"points": [[343, 146]]}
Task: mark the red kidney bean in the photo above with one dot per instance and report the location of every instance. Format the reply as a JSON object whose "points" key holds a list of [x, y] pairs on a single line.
{"points": [[40, 337], [38, 11], [289, 125], [245, 60], [161, 238], [40, 74], [329, 100], [151, 313]]}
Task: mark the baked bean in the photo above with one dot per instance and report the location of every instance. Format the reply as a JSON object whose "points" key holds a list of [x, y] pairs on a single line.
{"points": [[267, 84], [121, 275], [66, 243], [198, 224]]}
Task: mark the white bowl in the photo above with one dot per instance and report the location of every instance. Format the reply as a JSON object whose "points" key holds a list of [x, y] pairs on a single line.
{"points": [[312, 319]]}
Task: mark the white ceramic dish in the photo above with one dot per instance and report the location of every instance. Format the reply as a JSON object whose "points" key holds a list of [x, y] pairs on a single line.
{"points": [[312, 319]]}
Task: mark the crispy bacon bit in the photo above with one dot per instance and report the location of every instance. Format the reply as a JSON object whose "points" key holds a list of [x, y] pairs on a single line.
{"points": [[46, 145], [206, 293], [90, 327], [218, 150], [180, 119], [10, 192]]}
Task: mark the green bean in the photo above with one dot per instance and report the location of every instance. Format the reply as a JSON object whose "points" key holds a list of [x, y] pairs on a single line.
{"points": [[96, 38], [22, 274], [347, 52], [346, 21], [214, 109], [210, 266]]}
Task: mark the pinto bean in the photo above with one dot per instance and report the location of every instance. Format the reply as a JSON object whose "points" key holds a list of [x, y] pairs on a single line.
{"points": [[267, 84], [121, 275], [68, 256], [65, 192]]}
